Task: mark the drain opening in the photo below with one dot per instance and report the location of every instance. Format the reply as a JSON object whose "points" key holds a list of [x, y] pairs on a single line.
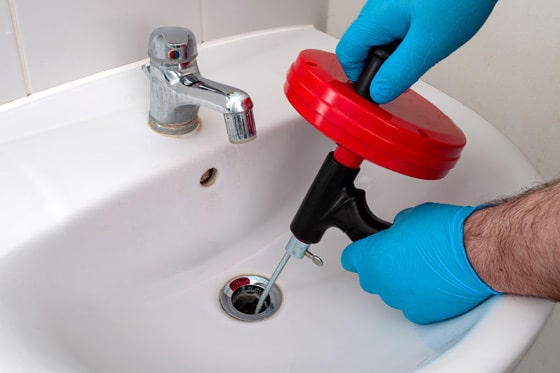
{"points": [[246, 298], [240, 296]]}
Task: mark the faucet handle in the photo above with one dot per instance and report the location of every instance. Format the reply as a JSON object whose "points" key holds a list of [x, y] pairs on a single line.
{"points": [[172, 46]]}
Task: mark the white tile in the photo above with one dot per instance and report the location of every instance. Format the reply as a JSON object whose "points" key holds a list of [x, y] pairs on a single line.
{"points": [[12, 86], [67, 39], [225, 17]]}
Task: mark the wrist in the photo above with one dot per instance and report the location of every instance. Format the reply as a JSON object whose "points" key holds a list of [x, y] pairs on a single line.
{"points": [[482, 249], [514, 246], [503, 249]]}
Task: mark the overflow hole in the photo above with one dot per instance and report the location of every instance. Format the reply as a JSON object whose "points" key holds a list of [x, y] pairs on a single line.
{"points": [[208, 177]]}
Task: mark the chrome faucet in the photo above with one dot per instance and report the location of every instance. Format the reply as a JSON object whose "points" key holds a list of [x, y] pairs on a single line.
{"points": [[177, 89]]}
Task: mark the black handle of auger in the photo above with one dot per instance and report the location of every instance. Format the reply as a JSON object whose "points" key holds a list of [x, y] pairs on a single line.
{"points": [[334, 201], [376, 56]]}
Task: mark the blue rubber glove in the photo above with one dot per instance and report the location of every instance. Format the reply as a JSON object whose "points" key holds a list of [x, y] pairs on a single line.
{"points": [[420, 265], [430, 30]]}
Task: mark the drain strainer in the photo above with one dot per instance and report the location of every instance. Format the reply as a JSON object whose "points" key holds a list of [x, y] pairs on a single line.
{"points": [[240, 296]]}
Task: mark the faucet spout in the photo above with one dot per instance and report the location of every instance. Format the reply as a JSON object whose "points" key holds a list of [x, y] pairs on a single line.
{"points": [[234, 103], [177, 89]]}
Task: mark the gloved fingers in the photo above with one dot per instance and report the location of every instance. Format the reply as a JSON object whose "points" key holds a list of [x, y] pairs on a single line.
{"points": [[413, 57], [419, 316], [352, 256], [376, 25], [359, 257], [429, 208], [429, 31], [440, 309], [421, 311], [392, 300], [402, 214]]}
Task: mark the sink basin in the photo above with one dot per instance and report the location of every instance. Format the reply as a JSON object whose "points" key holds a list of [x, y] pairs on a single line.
{"points": [[113, 252]]}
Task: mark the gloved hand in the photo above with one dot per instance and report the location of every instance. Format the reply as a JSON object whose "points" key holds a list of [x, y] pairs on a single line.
{"points": [[430, 31], [420, 265]]}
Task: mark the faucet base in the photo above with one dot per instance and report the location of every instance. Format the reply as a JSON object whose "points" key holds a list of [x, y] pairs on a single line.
{"points": [[175, 129]]}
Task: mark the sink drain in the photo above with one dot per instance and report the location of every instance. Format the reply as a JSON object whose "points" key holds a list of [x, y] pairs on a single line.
{"points": [[240, 296]]}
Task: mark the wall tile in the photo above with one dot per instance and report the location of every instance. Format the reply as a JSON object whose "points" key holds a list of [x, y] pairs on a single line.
{"points": [[68, 39], [225, 17], [11, 76]]}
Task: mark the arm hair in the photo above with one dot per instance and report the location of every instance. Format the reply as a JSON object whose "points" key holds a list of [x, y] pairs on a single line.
{"points": [[514, 244]]}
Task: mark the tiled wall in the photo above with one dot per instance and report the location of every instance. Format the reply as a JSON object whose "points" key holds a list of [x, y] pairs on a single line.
{"points": [[47, 43], [10, 73]]}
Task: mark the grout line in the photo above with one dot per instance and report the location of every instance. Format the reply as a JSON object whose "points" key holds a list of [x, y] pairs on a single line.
{"points": [[19, 44], [72, 84], [136, 65], [256, 33], [202, 22]]}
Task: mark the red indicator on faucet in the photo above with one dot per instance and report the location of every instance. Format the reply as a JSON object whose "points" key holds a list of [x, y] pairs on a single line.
{"points": [[408, 135], [173, 54]]}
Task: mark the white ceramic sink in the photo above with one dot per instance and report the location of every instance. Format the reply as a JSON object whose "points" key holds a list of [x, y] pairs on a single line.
{"points": [[113, 254]]}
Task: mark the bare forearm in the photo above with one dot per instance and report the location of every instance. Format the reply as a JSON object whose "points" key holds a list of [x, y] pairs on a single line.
{"points": [[514, 246]]}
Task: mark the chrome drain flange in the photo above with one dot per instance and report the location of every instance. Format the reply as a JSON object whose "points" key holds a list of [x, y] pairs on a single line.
{"points": [[240, 296]]}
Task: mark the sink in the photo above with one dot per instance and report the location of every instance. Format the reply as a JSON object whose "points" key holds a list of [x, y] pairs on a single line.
{"points": [[114, 249]]}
